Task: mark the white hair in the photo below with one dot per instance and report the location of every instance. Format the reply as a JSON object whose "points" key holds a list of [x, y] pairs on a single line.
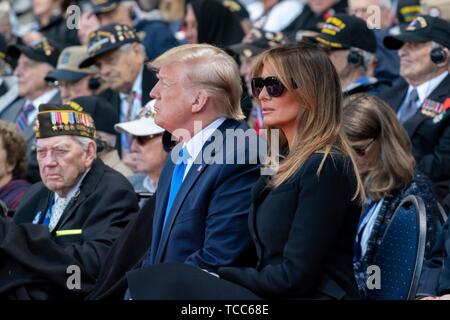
{"points": [[83, 141]]}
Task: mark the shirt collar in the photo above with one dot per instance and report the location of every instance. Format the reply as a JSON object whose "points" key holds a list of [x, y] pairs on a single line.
{"points": [[149, 184], [426, 88], [44, 98], [195, 144], [74, 190]]}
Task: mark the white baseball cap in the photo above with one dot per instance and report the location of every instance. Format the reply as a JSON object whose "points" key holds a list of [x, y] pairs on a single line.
{"points": [[143, 125]]}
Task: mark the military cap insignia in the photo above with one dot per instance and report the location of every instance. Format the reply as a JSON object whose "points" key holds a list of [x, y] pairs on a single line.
{"points": [[417, 24], [66, 121]]}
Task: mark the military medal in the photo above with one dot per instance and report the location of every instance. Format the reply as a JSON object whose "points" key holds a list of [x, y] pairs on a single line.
{"points": [[54, 120]]}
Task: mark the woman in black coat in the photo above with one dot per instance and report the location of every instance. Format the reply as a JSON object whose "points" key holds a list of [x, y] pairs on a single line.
{"points": [[303, 218]]}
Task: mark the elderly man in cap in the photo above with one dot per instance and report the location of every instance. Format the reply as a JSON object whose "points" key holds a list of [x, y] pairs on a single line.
{"points": [[422, 100], [34, 62], [66, 224], [351, 46], [105, 118], [388, 62], [117, 52], [71, 80], [155, 33], [147, 151]]}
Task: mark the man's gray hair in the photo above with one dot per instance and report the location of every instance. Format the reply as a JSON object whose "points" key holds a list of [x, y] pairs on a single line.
{"points": [[83, 142]]}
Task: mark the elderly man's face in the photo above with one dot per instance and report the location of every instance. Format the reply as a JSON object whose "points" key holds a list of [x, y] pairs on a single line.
{"points": [[174, 97], [150, 155], [31, 76], [119, 69], [69, 90], [339, 59], [62, 161], [415, 61]]}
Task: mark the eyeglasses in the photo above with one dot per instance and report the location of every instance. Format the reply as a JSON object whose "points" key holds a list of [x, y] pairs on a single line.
{"points": [[361, 151], [273, 86]]}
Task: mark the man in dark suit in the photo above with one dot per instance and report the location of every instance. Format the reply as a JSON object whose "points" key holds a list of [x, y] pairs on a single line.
{"points": [[421, 102], [351, 46], [65, 225], [34, 62], [203, 193], [116, 50]]}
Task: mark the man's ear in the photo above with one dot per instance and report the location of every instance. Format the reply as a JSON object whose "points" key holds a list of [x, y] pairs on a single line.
{"points": [[91, 151], [199, 101]]}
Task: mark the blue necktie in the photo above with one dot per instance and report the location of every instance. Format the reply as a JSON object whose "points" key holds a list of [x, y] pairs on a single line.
{"points": [[177, 180], [409, 109], [22, 121]]}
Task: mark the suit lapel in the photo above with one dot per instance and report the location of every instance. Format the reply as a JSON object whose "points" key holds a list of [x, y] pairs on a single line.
{"points": [[438, 94], [399, 98], [162, 197], [412, 124], [86, 188]]}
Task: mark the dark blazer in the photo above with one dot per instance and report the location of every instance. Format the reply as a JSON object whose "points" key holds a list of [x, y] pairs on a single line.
{"points": [[126, 254], [435, 277], [419, 186], [303, 232], [430, 138], [34, 261], [207, 225]]}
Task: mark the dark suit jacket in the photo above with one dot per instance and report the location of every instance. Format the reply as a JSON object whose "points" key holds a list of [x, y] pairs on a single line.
{"points": [[430, 140], [304, 232], [126, 254], [207, 225], [34, 261], [435, 277]]}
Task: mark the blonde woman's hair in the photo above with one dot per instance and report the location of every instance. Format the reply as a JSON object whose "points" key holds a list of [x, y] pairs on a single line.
{"points": [[367, 117], [210, 69], [306, 71]]}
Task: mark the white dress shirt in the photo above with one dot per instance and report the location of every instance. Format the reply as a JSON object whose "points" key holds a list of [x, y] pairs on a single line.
{"points": [[195, 145]]}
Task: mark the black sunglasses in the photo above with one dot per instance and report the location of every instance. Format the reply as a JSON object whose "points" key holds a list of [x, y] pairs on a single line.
{"points": [[142, 140], [273, 86], [361, 151]]}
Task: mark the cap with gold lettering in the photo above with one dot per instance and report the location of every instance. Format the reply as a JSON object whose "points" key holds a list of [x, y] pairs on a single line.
{"points": [[42, 51], [344, 32], [63, 120], [423, 28], [108, 38]]}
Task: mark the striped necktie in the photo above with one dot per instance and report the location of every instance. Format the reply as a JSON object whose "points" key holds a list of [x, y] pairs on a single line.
{"points": [[22, 121]]}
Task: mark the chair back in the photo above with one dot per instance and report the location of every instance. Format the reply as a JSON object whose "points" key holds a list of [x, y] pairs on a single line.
{"points": [[400, 253]]}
